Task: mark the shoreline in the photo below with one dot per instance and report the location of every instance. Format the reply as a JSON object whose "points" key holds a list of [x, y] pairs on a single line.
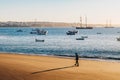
{"points": [[64, 57]]}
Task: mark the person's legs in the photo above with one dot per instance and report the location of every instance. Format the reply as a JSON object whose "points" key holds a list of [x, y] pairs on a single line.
{"points": [[77, 63]]}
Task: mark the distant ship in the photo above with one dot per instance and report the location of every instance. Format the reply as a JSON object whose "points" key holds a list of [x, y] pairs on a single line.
{"points": [[81, 27], [108, 25], [84, 27]]}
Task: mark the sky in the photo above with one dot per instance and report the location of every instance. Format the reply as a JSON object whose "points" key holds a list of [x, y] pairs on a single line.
{"points": [[97, 11]]}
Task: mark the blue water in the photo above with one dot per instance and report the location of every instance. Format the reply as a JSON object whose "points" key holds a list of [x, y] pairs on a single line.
{"points": [[101, 46]]}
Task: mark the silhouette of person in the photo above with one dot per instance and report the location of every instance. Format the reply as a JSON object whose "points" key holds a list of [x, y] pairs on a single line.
{"points": [[76, 58]]}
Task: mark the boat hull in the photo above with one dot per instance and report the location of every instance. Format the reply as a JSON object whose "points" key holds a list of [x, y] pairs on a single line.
{"points": [[80, 38], [36, 40], [84, 27]]}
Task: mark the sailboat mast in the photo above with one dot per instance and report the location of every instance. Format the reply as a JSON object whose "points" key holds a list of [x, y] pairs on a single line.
{"points": [[86, 21], [110, 23], [106, 23], [80, 21]]}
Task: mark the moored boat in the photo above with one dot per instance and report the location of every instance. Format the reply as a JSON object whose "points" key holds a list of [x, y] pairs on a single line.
{"points": [[42, 32], [39, 32], [39, 40], [99, 33], [72, 32], [81, 38], [19, 30], [118, 39], [84, 36]]}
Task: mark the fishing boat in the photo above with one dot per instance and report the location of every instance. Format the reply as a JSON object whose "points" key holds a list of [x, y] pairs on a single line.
{"points": [[39, 32], [84, 36], [33, 32], [19, 30], [72, 32], [99, 33], [39, 40], [35, 29], [42, 32], [81, 27], [81, 38], [118, 39]]}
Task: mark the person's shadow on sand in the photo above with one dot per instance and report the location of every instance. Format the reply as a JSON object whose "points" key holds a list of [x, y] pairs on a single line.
{"points": [[53, 69]]}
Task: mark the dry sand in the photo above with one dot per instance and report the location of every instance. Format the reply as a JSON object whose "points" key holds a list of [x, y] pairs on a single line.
{"points": [[26, 67]]}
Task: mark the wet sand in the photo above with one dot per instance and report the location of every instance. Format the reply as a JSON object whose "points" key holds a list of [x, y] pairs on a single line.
{"points": [[27, 67]]}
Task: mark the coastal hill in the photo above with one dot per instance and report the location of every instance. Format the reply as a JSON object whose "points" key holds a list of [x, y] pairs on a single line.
{"points": [[45, 24]]}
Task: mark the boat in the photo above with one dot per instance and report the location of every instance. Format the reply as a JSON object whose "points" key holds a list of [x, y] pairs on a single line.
{"points": [[39, 40], [81, 27], [19, 30], [35, 29], [118, 39], [84, 36], [99, 33], [72, 32], [84, 27], [42, 32], [33, 32], [39, 32], [81, 38], [108, 25]]}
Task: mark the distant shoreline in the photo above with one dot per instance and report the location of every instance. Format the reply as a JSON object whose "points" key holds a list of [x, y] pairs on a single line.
{"points": [[48, 24]]}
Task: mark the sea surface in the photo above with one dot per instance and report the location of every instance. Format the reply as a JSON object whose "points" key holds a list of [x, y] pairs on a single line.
{"points": [[97, 46]]}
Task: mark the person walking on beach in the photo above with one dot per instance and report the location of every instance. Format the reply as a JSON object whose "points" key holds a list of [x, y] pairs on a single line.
{"points": [[76, 58]]}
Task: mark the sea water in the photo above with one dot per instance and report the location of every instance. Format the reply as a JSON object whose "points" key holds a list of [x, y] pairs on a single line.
{"points": [[99, 46]]}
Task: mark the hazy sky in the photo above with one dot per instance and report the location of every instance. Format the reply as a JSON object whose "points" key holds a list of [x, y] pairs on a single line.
{"points": [[97, 11]]}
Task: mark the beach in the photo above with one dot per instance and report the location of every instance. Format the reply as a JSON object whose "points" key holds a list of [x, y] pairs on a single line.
{"points": [[32, 67]]}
